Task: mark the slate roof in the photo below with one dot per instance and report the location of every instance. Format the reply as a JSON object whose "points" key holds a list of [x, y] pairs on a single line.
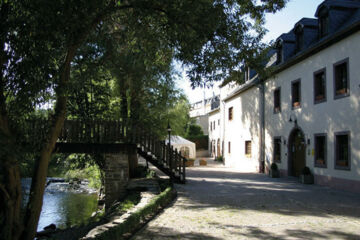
{"points": [[347, 17], [345, 25]]}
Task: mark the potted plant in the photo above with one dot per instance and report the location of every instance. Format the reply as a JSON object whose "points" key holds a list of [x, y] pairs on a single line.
{"points": [[202, 162], [274, 171], [306, 176], [189, 162]]}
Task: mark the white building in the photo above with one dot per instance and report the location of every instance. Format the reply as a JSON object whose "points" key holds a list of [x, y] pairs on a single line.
{"points": [[308, 113], [200, 112]]}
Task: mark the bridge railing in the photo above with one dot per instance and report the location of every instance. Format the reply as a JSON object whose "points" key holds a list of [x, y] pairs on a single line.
{"points": [[114, 131], [164, 154]]}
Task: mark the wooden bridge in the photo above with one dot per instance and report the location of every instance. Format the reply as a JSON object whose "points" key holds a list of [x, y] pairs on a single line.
{"points": [[109, 136]]}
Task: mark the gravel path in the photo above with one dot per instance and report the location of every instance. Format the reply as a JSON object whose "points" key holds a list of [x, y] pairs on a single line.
{"points": [[220, 203]]}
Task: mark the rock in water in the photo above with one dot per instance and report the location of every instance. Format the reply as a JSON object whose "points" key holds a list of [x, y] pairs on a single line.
{"points": [[50, 227]]}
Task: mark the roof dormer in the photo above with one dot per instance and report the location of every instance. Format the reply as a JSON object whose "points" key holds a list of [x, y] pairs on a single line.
{"points": [[332, 14], [279, 51], [323, 15], [285, 45], [299, 38]]}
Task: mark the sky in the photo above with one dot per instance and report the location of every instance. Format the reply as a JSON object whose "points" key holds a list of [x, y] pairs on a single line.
{"points": [[278, 23]]}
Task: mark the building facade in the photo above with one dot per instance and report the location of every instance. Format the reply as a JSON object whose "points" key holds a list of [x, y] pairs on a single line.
{"points": [[308, 112]]}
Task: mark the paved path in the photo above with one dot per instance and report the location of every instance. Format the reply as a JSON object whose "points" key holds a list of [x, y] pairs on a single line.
{"points": [[219, 203]]}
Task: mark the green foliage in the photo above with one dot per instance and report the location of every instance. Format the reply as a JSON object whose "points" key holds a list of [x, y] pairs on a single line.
{"points": [[274, 167], [129, 202], [306, 171], [92, 173], [194, 131], [219, 159]]}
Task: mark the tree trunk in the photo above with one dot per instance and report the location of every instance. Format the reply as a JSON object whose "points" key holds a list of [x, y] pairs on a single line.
{"points": [[10, 200], [34, 206], [10, 184]]}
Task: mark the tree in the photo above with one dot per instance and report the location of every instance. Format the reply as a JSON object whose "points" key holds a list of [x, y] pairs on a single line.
{"points": [[40, 41]]}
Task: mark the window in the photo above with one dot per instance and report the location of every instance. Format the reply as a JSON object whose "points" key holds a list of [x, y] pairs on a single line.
{"points": [[319, 86], [277, 149], [320, 150], [210, 126], [341, 79], [218, 122], [248, 148], [342, 150], [277, 100], [296, 94], [299, 40], [229, 147], [279, 51], [323, 24], [231, 113], [214, 125]]}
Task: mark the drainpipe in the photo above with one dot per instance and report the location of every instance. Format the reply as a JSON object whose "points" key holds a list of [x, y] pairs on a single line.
{"points": [[262, 127]]}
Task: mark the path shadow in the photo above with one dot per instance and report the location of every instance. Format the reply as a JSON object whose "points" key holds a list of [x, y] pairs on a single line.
{"points": [[223, 188], [159, 233]]}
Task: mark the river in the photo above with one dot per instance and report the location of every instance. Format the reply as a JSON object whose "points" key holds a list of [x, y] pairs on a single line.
{"points": [[63, 204]]}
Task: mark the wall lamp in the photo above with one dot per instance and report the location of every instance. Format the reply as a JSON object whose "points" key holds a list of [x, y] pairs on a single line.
{"points": [[293, 119]]}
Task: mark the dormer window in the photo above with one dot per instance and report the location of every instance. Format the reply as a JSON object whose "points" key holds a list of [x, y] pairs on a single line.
{"points": [[299, 39], [323, 23], [279, 53]]}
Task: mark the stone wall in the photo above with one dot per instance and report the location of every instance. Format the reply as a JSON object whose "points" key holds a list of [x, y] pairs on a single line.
{"points": [[117, 173]]}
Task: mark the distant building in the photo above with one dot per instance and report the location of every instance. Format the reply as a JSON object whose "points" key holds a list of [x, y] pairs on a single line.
{"points": [[307, 113], [200, 112]]}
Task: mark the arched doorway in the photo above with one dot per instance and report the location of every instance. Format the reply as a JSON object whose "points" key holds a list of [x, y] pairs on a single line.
{"points": [[296, 152]]}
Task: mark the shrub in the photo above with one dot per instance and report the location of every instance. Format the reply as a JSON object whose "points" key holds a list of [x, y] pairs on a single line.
{"points": [[219, 159], [274, 167], [306, 171]]}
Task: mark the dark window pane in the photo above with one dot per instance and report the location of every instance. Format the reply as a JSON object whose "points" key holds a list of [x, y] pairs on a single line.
{"points": [[277, 106], [320, 87], [320, 150], [295, 93], [277, 150], [341, 79], [248, 148], [231, 113], [342, 150]]}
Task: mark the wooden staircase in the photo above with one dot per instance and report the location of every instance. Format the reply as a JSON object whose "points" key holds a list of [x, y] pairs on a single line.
{"points": [[163, 156]]}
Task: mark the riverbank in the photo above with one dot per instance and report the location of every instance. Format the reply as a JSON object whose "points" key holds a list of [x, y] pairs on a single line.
{"points": [[125, 217]]}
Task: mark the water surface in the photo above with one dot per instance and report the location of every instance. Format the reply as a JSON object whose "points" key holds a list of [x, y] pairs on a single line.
{"points": [[63, 207]]}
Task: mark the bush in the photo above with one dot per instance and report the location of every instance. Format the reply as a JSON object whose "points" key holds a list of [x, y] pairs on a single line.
{"points": [[306, 171], [219, 159], [274, 167], [90, 172]]}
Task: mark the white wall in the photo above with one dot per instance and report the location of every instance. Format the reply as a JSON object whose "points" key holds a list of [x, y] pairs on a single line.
{"points": [[243, 127], [329, 117], [214, 134]]}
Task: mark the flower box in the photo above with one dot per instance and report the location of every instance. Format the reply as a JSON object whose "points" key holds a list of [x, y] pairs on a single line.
{"points": [[341, 91], [202, 162], [296, 104], [319, 97], [189, 162]]}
